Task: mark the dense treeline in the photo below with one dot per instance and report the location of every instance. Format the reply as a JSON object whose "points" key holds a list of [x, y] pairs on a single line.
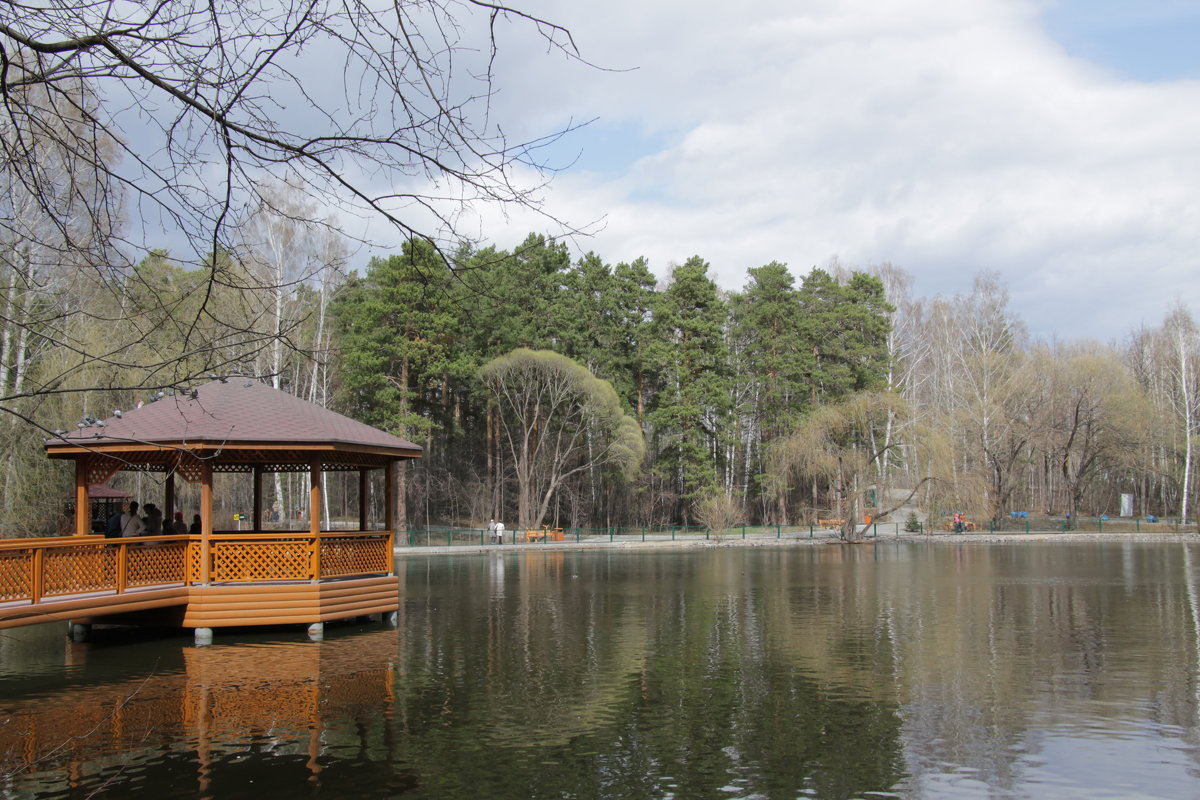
{"points": [[711, 378], [834, 393]]}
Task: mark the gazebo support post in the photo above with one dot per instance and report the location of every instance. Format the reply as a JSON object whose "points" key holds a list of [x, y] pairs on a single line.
{"points": [[169, 501], [83, 507], [314, 515], [206, 521], [364, 497], [257, 518], [389, 498]]}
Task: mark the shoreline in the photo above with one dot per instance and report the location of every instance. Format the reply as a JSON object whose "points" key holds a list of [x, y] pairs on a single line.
{"points": [[767, 541]]}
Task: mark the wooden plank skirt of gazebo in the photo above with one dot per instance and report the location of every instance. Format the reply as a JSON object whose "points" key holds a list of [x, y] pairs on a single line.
{"points": [[254, 578]]}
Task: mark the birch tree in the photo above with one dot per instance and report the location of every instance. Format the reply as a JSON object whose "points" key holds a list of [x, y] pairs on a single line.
{"points": [[1184, 342]]}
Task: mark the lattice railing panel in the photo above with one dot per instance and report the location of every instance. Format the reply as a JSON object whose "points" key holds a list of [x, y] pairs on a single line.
{"points": [[75, 570], [16, 575], [354, 557], [151, 564], [261, 561], [193, 561]]}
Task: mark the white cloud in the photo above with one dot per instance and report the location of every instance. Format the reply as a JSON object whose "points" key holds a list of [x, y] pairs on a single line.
{"points": [[943, 137]]}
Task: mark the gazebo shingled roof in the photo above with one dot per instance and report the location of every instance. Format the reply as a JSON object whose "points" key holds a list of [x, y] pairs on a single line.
{"points": [[233, 421]]}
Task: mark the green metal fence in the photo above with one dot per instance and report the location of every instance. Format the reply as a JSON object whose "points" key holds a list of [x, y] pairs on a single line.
{"points": [[452, 536], [455, 536]]}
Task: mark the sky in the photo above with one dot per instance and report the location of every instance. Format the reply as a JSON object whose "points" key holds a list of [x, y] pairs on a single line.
{"points": [[1054, 142]]}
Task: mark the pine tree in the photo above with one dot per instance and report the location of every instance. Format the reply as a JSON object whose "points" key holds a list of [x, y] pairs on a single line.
{"points": [[691, 417]]}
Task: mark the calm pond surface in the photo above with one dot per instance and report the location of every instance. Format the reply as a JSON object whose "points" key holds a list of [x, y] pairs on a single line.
{"points": [[1017, 670]]}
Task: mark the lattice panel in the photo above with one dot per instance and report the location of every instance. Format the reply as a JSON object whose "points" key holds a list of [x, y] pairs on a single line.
{"points": [[261, 561], [193, 561], [150, 564], [235, 468], [75, 570], [190, 468], [354, 557], [16, 575], [101, 468]]}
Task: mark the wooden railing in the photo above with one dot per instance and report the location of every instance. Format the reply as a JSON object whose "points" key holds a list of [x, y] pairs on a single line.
{"points": [[42, 569], [34, 570], [254, 557]]}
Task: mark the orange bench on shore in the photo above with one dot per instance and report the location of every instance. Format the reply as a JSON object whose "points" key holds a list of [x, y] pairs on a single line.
{"points": [[543, 535]]}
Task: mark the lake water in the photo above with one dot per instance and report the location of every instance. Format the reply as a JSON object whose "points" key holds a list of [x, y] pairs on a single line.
{"points": [[1023, 670]]}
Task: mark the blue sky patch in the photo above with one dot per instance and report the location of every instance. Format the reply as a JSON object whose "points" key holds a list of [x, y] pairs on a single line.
{"points": [[1145, 40]]}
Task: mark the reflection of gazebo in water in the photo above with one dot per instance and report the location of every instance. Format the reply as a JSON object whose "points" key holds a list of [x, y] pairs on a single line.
{"points": [[249, 577], [225, 703]]}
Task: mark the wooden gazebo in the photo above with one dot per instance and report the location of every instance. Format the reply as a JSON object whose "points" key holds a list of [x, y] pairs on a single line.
{"points": [[244, 577]]}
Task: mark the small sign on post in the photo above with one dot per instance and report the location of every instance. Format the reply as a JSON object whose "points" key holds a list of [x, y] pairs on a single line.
{"points": [[238, 519]]}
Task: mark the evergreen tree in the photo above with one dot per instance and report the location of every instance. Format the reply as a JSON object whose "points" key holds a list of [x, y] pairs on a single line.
{"points": [[773, 363], [398, 340], [519, 296], [845, 327], [691, 416], [634, 299]]}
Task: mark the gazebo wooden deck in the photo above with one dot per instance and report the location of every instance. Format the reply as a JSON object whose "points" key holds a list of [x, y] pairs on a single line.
{"points": [[217, 578]]}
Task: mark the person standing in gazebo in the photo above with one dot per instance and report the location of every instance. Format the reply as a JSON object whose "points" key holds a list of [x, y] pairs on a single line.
{"points": [[131, 523]]}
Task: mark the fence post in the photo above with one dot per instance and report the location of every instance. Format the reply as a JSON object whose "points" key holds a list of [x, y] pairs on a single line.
{"points": [[778, 531], [1137, 524], [122, 567], [1099, 524], [38, 574], [810, 530], [643, 533], [610, 535], [743, 531]]}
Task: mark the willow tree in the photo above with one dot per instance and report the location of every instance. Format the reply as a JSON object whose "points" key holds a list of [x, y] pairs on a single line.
{"points": [[557, 421], [842, 444]]}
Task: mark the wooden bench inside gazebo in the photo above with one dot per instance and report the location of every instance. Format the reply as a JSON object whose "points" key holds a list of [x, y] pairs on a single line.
{"points": [[215, 578]]}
